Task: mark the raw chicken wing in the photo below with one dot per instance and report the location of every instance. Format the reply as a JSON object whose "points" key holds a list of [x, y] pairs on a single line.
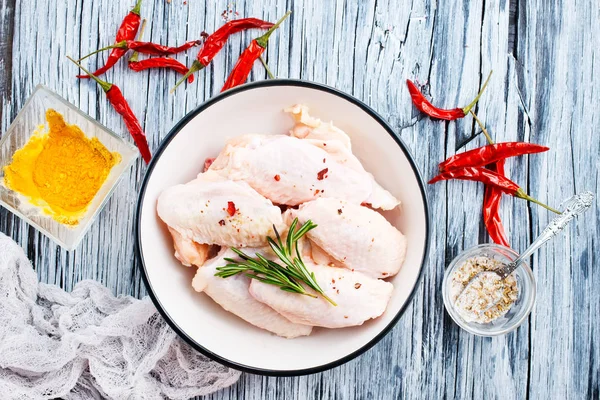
{"points": [[232, 294], [358, 297], [292, 171], [187, 251], [308, 127], [357, 237], [201, 212]]}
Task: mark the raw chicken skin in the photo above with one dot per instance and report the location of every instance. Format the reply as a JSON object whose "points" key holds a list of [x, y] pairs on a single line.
{"points": [[379, 198], [189, 252], [292, 171], [308, 127], [358, 297], [337, 143], [232, 294], [198, 212], [357, 237]]}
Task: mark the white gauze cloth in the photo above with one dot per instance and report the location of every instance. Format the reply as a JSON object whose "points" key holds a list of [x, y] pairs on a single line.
{"points": [[88, 344]]}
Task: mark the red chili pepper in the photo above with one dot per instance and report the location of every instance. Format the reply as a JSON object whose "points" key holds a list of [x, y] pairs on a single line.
{"points": [[489, 154], [165, 62], [492, 198], [116, 99], [491, 209], [231, 210], [240, 72], [127, 31], [490, 178], [426, 107], [215, 42], [149, 48]]}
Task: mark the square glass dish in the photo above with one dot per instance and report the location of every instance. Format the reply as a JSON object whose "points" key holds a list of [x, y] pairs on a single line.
{"points": [[28, 121]]}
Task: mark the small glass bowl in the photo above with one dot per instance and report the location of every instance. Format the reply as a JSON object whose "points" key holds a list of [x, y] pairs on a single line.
{"points": [[520, 308], [23, 127]]}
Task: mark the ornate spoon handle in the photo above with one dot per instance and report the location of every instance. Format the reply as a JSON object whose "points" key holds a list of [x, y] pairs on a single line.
{"points": [[573, 207]]}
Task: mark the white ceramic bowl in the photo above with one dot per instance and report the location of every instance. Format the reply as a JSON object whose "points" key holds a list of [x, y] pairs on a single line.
{"points": [[258, 108]]}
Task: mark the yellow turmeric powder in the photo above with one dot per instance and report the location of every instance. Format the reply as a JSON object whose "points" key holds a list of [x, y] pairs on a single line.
{"points": [[60, 171]]}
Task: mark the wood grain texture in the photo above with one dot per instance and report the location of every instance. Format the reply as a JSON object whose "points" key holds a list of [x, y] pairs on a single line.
{"points": [[545, 89]]}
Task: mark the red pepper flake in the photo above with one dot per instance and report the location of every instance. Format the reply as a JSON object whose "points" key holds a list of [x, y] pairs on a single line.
{"points": [[357, 285], [332, 280], [277, 178], [222, 222], [339, 211], [325, 144], [384, 273], [323, 161], [345, 316], [231, 208], [317, 191], [321, 173], [338, 291], [372, 240]]}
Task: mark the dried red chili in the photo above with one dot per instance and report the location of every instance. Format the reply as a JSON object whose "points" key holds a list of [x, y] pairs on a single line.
{"points": [[231, 210], [240, 72], [160, 62], [490, 178], [489, 154], [426, 107], [127, 31], [116, 99], [149, 48], [215, 42]]}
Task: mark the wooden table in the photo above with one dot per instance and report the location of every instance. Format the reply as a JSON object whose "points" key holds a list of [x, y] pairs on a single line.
{"points": [[545, 89]]}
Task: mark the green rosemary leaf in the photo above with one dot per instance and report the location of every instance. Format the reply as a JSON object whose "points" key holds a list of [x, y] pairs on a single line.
{"points": [[291, 276]]}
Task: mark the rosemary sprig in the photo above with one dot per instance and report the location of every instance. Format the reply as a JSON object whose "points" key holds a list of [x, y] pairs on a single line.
{"points": [[290, 276]]}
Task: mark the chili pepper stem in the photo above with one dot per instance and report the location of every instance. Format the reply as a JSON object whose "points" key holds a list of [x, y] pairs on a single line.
{"points": [[137, 8], [468, 108], [264, 63], [485, 132], [262, 40], [122, 45], [134, 57], [103, 84], [196, 66], [522, 195]]}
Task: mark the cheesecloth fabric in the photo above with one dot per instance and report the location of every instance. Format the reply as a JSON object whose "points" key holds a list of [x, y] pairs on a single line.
{"points": [[88, 344]]}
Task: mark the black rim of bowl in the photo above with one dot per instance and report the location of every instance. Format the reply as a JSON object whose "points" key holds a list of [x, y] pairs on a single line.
{"points": [[175, 130]]}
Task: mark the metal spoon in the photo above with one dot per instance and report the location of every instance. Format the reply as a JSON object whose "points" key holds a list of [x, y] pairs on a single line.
{"points": [[573, 207]]}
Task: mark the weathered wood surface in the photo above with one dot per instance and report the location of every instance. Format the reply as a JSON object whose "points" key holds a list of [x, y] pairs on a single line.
{"points": [[545, 88]]}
